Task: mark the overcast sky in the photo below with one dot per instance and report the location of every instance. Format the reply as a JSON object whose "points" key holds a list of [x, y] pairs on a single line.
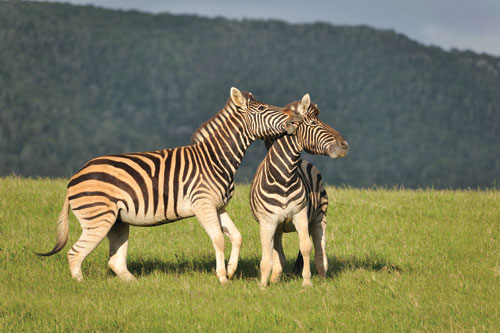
{"points": [[462, 24]]}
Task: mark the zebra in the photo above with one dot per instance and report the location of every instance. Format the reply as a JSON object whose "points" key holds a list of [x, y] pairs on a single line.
{"points": [[316, 213], [112, 192], [287, 193]]}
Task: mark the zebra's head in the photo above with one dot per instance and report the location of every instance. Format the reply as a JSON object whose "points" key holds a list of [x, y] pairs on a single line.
{"points": [[264, 120], [315, 136]]}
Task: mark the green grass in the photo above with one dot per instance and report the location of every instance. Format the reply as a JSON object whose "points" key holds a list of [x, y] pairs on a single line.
{"points": [[399, 260]]}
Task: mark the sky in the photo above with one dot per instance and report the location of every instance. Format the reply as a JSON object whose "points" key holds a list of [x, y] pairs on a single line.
{"points": [[461, 24]]}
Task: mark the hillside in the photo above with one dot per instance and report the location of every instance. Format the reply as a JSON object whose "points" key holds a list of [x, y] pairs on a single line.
{"points": [[76, 82]]}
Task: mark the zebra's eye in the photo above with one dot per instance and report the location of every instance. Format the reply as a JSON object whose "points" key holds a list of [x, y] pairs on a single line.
{"points": [[261, 108], [314, 122]]}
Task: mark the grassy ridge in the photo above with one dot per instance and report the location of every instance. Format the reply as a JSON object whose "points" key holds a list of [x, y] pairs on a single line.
{"points": [[398, 260]]}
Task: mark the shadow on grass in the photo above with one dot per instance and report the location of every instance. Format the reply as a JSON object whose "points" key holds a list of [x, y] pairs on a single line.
{"points": [[248, 268], [338, 265], [148, 266]]}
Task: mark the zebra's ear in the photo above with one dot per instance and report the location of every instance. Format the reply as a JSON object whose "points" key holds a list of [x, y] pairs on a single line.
{"points": [[304, 105], [238, 98]]}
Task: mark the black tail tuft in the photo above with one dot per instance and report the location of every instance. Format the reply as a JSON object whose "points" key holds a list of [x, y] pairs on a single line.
{"points": [[299, 265], [55, 250]]}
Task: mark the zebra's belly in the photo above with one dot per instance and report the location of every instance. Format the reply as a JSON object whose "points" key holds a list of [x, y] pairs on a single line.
{"points": [[182, 211], [291, 210], [286, 224], [287, 216], [142, 221]]}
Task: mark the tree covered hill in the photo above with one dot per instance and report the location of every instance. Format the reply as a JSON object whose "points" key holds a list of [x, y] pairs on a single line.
{"points": [[78, 82]]}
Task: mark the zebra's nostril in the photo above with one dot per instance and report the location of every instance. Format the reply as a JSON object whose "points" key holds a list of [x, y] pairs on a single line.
{"points": [[345, 145]]}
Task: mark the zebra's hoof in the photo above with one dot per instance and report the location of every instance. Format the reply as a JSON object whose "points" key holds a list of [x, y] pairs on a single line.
{"points": [[230, 272], [127, 277], [77, 276], [275, 278], [223, 281], [307, 283]]}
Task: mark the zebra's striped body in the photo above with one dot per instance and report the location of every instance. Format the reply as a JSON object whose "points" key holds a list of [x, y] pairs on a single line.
{"points": [[287, 193], [110, 193], [149, 188]]}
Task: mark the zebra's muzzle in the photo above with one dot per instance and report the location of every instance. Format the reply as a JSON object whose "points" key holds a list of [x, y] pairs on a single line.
{"points": [[338, 150]]}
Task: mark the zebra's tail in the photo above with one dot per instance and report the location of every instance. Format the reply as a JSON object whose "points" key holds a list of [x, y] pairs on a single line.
{"points": [[62, 230], [299, 265]]}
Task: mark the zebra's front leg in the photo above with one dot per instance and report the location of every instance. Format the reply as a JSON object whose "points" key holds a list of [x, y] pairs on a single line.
{"points": [[301, 223], [267, 230], [278, 257], [209, 219], [234, 235], [118, 245], [318, 233]]}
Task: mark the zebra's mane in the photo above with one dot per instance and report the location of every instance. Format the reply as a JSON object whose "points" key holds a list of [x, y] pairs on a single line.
{"points": [[199, 135]]}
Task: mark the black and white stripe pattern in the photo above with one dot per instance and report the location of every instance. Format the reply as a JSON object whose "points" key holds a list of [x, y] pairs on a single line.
{"points": [[287, 193], [316, 214], [110, 193]]}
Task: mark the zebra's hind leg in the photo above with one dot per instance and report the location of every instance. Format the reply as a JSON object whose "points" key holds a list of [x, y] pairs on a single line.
{"points": [[209, 219], [302, 226], [278, 257], [234, 235], [94, 229], [318, 233], [118, 245]]}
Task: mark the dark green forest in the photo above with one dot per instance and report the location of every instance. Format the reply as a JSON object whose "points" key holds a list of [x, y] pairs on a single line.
{"points": [[79, 81]]}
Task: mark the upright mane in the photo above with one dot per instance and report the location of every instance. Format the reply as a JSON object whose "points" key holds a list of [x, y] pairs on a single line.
{"points": [[202, 132]]}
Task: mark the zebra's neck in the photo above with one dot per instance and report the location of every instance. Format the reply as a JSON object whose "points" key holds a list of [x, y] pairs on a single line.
{"points": [[226, 139], [283, 159]]}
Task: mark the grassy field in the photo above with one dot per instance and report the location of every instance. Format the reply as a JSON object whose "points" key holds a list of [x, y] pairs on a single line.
{"points": [[399, 260]]}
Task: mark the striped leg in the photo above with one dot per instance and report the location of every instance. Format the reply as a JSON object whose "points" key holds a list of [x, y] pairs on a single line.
{"points": [[93, 232], [118, 245], [302, 226], [278, 257], [267, 230], [209, 219], [234, 235], [318, 233]]}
